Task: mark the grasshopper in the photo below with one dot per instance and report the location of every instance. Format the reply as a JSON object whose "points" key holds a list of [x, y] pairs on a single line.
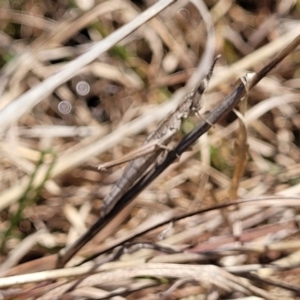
{"points": [[155, 143]]}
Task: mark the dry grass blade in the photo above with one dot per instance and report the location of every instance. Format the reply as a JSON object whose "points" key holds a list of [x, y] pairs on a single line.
{"points": [[241, 154], [209, 275], [28, 100]]}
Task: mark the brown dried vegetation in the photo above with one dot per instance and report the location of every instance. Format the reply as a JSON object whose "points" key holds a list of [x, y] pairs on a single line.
{"points": [[78, 88]]}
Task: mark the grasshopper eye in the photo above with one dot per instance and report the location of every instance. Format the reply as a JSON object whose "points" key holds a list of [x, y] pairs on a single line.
{"points": [[201, 88]]}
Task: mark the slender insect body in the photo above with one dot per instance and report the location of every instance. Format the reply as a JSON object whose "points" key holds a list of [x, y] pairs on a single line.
{"points": [[161, 137], [130, 174]]}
